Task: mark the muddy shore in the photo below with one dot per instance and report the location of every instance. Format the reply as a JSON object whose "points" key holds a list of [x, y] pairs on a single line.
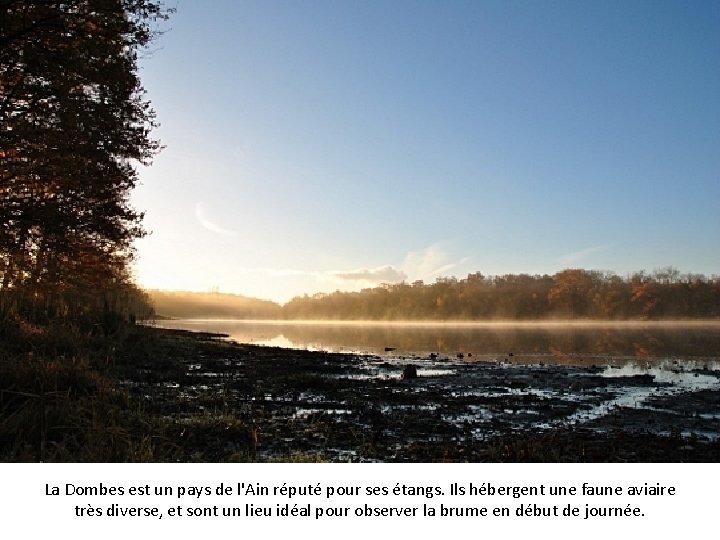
{"points": [[226, 401]]}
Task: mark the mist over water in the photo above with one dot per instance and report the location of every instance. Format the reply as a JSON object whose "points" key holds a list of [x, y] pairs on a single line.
{"points": [[578, 343]]}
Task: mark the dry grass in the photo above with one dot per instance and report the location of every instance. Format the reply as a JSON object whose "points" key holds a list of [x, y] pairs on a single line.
{"points": [[60, 401]]}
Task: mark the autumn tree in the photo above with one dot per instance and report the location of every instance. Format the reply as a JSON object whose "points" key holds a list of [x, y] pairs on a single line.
{"points": [[612, 298], [572, 291], [74, 125]]}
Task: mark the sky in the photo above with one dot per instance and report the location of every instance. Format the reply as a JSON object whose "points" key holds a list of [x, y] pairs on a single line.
{"points": [[314, 146]]}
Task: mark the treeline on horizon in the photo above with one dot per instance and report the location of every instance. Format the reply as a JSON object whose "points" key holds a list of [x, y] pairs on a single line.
{"points": [[187, 305], [569, 294]]}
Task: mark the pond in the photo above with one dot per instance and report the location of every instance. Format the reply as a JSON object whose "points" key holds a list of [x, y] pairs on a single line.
{"points": [[571, 392], [693, 343]]}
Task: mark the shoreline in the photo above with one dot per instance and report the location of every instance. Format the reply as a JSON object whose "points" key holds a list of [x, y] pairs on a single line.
{"points": [[165, 395], [572, 323], [256, 402]]}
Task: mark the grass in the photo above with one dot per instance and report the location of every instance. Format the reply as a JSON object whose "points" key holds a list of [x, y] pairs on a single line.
{"points": [[60, 400], [69, 396]]}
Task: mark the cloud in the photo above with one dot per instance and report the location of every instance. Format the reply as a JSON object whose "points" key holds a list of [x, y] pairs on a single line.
{"points": [[428, 263], [382, 274], [201, 216], [576, 256]]}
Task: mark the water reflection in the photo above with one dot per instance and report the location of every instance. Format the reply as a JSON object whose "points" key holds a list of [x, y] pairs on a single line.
{"points": [[554, 343]]}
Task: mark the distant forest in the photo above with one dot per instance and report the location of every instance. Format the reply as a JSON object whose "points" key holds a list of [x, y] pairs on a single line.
{"points": [[186, 305], [569, 294]]}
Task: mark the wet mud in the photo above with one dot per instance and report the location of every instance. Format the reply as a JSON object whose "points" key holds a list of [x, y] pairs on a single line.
{"points": [[227, 401]]}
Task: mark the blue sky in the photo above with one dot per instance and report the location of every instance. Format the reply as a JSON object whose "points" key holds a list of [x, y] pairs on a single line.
{"points": [[322, 145]]}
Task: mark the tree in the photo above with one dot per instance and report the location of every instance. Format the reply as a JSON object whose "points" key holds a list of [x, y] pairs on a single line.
{"points": [[646, 296], [572, 291], [74, 124], [612, 298]]}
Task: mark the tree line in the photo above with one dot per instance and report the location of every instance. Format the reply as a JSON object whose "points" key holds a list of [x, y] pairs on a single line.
{"points": [[74, 126], [188, 305], [569, 294]]}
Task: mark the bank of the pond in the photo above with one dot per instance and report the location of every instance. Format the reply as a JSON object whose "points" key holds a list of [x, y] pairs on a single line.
{"points": [[232, 401], [169, 395]]}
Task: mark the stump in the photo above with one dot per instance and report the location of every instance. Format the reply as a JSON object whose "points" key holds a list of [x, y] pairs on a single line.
{"points": [[410, 372]]}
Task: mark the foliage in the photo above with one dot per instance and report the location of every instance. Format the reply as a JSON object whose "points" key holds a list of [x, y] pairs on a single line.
{"points": [[74, 123], [569, 294]]}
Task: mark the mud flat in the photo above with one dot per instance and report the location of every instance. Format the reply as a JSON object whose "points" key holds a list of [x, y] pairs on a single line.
{"points": [[227, 401]]}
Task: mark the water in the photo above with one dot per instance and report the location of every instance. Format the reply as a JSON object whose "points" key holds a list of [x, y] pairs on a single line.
{"points": [[657, 378], [695, 344]]}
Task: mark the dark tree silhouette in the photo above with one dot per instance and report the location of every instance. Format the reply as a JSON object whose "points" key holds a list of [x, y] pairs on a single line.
{"points": [[74, 124]]}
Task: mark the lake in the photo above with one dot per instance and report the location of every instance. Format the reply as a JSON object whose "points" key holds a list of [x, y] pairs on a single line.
{"points": [[552, 342], [646, 391]]}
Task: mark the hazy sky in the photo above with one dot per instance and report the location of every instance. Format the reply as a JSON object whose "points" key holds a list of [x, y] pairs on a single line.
{"points": [[323, 145]]}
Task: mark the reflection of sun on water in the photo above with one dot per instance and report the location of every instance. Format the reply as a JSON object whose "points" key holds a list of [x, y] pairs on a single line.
{"points": [[571, 345], [277, 341]]}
